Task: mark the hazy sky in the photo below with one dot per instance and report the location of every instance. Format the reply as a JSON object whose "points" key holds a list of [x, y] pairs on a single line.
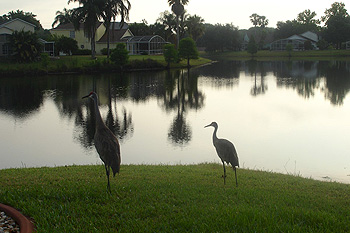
{"points": [[218, 11]]}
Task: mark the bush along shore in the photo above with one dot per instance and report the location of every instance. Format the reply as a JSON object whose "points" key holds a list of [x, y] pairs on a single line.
{"points": [[179, 198], [84, 64]]}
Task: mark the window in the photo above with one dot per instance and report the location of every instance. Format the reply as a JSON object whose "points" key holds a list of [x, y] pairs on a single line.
{"points": [[72, 34], [5, 49]]}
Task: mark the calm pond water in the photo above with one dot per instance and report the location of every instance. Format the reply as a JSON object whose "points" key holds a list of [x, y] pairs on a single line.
{"points": [[288, 117]]}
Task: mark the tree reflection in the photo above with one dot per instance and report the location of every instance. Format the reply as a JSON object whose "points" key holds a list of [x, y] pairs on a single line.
{"points": [[181, 94], [303, 76], [261, 87], [110, 90], [21, 97], [337, 84]]}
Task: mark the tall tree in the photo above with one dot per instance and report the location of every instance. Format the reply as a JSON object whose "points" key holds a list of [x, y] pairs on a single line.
{"points": [[167, 21], [111, 10], [337, 22], [254, 18], [177, 6], [263, 21], [195, 26], [307, 17], [89, 12], [63, 17], [337, 9]]}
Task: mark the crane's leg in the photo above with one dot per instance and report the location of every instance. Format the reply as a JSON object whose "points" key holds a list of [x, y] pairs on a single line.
{"points": [[107, 173], [234, 168], [223, 164]]}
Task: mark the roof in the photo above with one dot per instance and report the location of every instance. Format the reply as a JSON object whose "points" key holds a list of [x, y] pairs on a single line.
{"points": [[295, 37], [114, 36], [117, 25], [16, 19], [310, 36], [70, 26]]}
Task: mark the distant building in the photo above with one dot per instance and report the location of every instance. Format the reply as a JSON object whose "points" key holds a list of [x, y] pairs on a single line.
{"points": [[118, 34], [297, 41], [6, 30], [347, 45], [145, 44]]}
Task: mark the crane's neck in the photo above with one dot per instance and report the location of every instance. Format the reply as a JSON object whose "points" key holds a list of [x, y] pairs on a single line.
{"points": [[215, 138], [99, 121]]}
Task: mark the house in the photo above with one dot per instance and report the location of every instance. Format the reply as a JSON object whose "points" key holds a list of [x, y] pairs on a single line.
{"points": [[6, 30], [116, 34], [145, 44], [347, 44], [297, 42]]}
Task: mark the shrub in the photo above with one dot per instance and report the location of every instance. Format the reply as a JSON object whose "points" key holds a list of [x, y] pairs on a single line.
{"points": [[188, 49], [252, 47], [170, 54], [120, 55], [104, 51], [82, 52], [25, 45], [289, 49], [144, 64]]}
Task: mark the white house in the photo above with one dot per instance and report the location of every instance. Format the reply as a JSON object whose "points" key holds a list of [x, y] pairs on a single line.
{"points": [[297, 41], [6, 30]]}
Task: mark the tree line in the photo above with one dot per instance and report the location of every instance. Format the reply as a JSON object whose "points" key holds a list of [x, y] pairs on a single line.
{"points": [[178, 24]]}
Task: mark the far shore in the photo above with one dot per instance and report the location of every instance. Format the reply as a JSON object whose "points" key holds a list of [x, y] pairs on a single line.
{"points": [[85, 65]]}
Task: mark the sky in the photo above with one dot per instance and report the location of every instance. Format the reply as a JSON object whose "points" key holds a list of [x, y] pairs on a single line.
{"points": [[218, 11]]}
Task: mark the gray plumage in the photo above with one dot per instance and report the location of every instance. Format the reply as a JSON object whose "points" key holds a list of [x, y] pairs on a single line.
{"points": [[106, 143], [225, 150]]}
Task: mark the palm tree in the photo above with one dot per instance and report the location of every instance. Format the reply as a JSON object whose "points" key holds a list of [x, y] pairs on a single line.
{"points": [[166, 25], [177, 6], [111, 10], [89, 12], [63, 17], [195, 26]]}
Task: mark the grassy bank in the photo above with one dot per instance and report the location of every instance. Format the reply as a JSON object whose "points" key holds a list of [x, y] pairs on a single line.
{"points": [[84, 64], [284, 55], [174, 198]]}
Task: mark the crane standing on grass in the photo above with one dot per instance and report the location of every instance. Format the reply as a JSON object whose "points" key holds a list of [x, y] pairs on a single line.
{"points": [[225, 150], [106, 143]]}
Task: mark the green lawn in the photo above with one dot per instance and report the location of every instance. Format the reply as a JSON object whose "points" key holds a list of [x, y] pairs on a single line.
{"points": [[84, 64], [181, 198]]}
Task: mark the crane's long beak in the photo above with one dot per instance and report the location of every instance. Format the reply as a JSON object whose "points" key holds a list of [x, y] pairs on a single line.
{"points": [[86, 96], [207, 126]]}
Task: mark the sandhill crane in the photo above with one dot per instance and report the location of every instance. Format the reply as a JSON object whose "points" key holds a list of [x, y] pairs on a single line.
{"points": [[106, 143], [225, 150]]}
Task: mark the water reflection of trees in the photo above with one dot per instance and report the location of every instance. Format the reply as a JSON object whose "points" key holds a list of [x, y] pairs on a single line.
{"points": [[337, 85], [21, 97], [220, 74], [181, 94], [302, 76], [255, 68], [176, 91], [307, 76], [110, 89]]}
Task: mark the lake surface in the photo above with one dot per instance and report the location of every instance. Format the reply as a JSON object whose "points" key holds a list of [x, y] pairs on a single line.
{"points": [[287, 117]]}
